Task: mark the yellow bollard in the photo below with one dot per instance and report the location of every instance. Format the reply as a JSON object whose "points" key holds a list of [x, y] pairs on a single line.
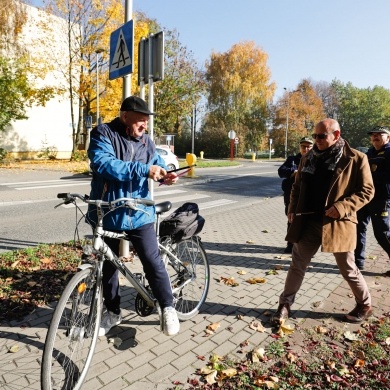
{"points": [[253, 156], [201, 155], [191, 160]]}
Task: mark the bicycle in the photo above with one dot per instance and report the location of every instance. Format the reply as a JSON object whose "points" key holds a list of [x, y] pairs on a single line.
{"points": [[73, 331]]}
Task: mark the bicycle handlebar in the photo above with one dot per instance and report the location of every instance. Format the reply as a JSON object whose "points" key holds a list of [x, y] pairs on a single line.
{"points": [[129, 202]]}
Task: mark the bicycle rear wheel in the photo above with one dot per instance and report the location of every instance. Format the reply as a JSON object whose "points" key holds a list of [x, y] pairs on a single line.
{"points": [[189, 280], [72, 334]]}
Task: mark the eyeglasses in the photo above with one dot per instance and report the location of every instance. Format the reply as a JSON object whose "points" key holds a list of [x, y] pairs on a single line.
{"points": [[321, 136]]}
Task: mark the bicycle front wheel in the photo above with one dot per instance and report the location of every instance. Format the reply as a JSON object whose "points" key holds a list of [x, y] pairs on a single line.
{"points": [[72, 334], [189, 280]]}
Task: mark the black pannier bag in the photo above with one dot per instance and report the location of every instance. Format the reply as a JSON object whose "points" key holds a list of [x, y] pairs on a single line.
{"points": [[183, 223]]}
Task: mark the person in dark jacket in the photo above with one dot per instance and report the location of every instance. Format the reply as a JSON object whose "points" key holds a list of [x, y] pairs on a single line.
{"points": [[378, 209], [123, 158], [287, 171]]}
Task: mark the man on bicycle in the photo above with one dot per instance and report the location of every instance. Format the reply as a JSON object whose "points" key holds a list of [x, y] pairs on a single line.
{"points": [[123, 158]]}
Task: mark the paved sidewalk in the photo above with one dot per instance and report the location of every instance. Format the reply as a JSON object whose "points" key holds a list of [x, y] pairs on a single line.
{"points": [[250, 239]]}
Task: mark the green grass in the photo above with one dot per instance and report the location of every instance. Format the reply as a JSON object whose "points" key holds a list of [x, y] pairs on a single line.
{"points": [[211, 163]]}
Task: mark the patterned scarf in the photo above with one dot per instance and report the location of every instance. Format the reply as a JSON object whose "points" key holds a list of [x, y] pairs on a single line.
{"points": [[330, 156]]}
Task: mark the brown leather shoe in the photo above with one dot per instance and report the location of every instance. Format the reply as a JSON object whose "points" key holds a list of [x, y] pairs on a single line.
{"points": [[359, 313], [281, 314]]}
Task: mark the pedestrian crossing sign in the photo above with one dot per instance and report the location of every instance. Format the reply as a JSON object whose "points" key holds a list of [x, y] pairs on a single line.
{"points": [[121, 51]]}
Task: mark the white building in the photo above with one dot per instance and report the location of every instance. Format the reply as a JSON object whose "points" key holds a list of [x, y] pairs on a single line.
{"points": [[49, 126]]}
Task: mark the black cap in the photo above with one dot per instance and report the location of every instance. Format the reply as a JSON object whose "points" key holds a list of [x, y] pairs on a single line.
{"points": [[134, 103], [379, 129]]}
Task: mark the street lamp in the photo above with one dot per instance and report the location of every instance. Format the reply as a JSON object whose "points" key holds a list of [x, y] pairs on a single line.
{"points": [[288, 111], [97, 51]]}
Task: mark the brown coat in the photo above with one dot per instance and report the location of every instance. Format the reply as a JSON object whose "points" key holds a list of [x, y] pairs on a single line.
{"points": [[350, 189]]}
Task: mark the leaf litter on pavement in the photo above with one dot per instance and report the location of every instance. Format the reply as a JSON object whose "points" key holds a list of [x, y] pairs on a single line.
{"points": [[327, 357], [34, 277]]}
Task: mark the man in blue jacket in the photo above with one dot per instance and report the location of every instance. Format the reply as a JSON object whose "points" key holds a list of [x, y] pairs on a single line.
{"points": [[287, 171], [378, 209], [123, 158]]}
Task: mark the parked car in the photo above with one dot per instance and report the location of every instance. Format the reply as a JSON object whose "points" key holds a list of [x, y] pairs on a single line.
{"points": [[363, 149], [170, 158]]}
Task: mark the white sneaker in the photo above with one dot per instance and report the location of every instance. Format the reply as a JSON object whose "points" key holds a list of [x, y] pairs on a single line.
{"points": [[109, 320], [170, 322]]}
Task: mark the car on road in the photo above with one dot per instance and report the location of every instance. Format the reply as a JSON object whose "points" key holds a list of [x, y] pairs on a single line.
{"points": [[362, 149], [170, 158]]}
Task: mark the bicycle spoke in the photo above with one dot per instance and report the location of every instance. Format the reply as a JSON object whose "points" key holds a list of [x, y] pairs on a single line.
{"points": [[72, 335]]}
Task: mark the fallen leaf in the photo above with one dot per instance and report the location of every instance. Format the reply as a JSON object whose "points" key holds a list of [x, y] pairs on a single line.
{"points": [[250, 242], [14, 264], [227, 373], [31, 284], [256, 280], [214, 358], [239, 316], [351, 336], [241, 272], [201, 357], [213, 327], [321, 329], [331, 364], [285, 330], [45, 260], [229, 281], [371, 257], [265, 231], [206, 370], [278, 267], [360, 363], [257, 326], [291, 357], [272, 272], [211, 378], [14, 349], [387, 341], [258, 354]]}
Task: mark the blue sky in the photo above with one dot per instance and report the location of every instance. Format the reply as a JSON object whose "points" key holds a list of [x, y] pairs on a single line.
{"points": [[322, 39]]}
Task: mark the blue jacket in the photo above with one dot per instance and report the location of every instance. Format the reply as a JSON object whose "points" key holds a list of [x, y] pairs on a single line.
{"points": [[120, 167], [379, 161]]}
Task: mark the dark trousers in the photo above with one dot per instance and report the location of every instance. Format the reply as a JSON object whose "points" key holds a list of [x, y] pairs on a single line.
{"points": [[378, 213], [145, 244]]}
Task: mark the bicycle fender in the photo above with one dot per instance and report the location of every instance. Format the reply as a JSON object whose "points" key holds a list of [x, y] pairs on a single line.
{"points": [[84, 266]]}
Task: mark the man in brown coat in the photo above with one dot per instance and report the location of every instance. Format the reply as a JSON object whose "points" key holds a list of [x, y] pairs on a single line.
{"points": [[333, 182]]}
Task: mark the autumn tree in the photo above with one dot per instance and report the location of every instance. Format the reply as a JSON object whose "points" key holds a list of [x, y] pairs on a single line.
{"points": [[21, 69], [304, 109], [177, 95], [240, 91]]}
